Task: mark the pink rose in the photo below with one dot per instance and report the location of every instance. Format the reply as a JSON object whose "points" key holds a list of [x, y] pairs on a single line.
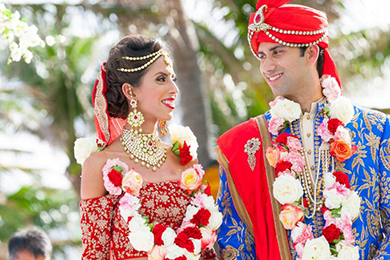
{"points": [[323, 131], [274, 125], [132, 182], [294, 144], [297, 161], [157, 253], [290, 216], [191, 178], [332, 90], [273, 155], [208, 238]]}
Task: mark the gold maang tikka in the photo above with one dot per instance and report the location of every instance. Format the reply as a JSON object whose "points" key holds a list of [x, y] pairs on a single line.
{"points": [[146, 149]]}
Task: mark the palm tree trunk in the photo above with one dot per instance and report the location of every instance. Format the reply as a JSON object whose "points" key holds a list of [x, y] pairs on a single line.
{"points": [[193, 99]]}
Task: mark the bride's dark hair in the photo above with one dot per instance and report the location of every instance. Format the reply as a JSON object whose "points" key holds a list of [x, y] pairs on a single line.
{"points": [[131, 46]]}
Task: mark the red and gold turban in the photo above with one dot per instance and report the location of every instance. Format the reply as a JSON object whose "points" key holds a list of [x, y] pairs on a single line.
{"points": [[292, 26]]}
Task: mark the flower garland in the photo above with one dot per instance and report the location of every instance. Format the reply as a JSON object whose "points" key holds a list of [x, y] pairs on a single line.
{"points": [[196, 233], [341, 204]]}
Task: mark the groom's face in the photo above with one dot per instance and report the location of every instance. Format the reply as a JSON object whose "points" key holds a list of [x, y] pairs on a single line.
{"points": [[284, 69]]}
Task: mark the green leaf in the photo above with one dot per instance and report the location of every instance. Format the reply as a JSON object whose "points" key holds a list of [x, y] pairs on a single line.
{"points": [[176, 148], [117, 168], [336, 212]]}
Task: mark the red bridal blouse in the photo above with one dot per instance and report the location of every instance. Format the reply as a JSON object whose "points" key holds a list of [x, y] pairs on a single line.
{"points": [[105, 232]]}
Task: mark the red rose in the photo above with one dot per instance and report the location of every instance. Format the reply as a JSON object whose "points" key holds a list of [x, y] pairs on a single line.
{"points": [[201, 217], [183, 257], [158, 230], [182, 240], [331, 233], [282, 166], [282, 138], [305, 204], [115, 177], [185, 155], [206, 189], [324, 209], [193, 232], [333, 124], [342, 178]]}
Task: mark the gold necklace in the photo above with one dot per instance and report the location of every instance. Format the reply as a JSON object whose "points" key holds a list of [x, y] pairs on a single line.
{"points": [[145, 149]]}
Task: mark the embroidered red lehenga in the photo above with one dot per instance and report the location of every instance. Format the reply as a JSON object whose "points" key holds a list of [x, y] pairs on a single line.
{"points": [[105, 232]]}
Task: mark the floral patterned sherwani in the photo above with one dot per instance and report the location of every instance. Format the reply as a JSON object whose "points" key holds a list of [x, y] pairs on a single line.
{"points": [[369, 173]]}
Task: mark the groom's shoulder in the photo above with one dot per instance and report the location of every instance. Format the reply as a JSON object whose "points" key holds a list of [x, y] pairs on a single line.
{"points": [[239, 134]]}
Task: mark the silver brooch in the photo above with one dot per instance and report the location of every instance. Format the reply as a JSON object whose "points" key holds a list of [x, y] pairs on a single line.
{"points": [[251, 147]]}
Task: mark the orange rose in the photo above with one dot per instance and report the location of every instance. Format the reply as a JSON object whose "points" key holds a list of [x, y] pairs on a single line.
{"points": [[342, 150], [290, 216], [132, 183], [272, 155]]}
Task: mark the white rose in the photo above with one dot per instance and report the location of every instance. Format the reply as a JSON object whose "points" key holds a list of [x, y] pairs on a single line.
{"points": [[329, 180], [215, 220], [286, 109], [138, 224], [142, 240], [287, 189], [209, 203], [180, 134], [342, 109], [83, 148], [191, 211], [351, 207], [174, 251], [316, 249], [348, 253], [168, 236], [333, 199]]}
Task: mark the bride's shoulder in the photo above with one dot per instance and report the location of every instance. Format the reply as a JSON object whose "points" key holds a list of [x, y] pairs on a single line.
{"points": [[92, 176]]}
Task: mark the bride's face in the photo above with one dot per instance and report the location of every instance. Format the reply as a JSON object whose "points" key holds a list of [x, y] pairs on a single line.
{"points": [[157, 93]]}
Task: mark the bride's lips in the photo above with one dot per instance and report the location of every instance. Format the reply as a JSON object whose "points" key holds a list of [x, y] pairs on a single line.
{"points": [[169, 102]]}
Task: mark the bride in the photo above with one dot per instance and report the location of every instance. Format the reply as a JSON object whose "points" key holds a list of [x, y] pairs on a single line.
{"points": [[142, 198]]}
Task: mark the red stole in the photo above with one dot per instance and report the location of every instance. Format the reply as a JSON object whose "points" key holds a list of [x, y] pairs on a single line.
{"points": [[254, 190]]}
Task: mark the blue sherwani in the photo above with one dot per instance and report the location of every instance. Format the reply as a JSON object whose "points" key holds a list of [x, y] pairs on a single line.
{"points": [[369, 173]]}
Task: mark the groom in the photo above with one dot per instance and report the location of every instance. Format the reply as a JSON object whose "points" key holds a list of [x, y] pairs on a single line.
{"points": [[310, 178]]}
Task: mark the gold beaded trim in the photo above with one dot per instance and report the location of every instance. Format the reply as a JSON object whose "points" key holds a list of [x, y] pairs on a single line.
{"points": [[261, 26]]}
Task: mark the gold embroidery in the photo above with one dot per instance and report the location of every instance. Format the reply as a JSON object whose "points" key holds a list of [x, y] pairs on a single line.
{"points": [[100, 108], [229, 253]]}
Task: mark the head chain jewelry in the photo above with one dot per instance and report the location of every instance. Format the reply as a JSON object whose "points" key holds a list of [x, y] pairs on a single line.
{"points": [[154, 56]]}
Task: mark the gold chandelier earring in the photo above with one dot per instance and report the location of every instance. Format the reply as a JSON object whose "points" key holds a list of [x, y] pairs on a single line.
{"points": [[163, 126], [135, 118]]}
